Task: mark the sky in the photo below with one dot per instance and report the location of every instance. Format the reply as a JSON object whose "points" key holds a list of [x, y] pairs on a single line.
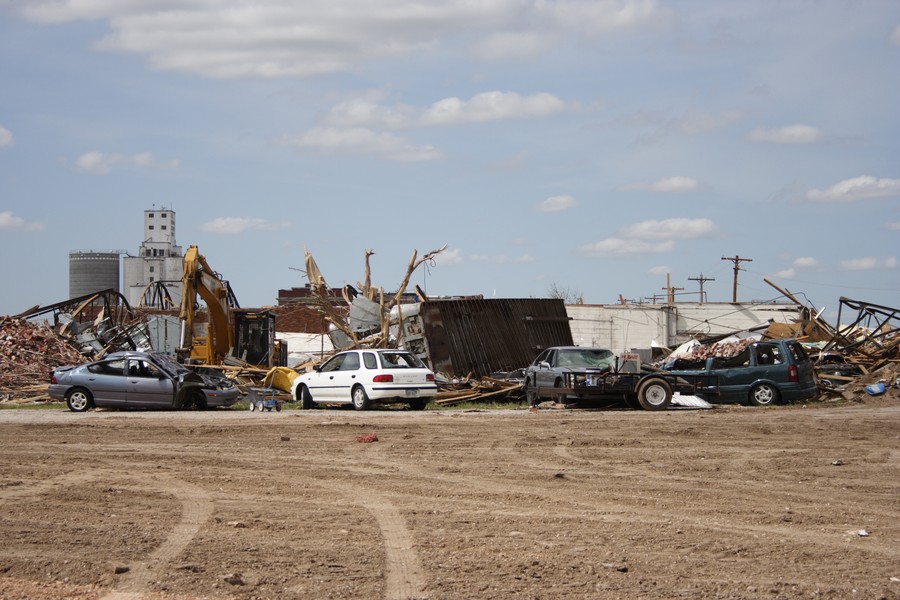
{"points": [[593, 149]]}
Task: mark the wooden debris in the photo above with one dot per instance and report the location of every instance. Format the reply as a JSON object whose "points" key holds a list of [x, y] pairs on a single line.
{"points": [[28, 352]]}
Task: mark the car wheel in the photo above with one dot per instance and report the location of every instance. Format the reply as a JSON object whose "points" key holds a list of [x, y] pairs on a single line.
{"points": [[560, 398], [418, 404], [360, 398], [198, 402], [531, 395], [79, 400], [654, 394], [278, 407], [763, 394], [306, 400], [260, 405], [252, 406]]}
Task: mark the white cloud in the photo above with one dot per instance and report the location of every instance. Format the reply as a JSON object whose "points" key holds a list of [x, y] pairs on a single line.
{"points": [[101, 164], [619, 247], [449, 257], [679, 228], [6, 137], [858, 188], [805, 262], [636, 239], [507, 45], [869, 263], [8, 220], [364, 141], [664, 186], [792, 134], [786, 273], [233, 225], [660, 270], [274, 38], [501, 259], [365, 110], [895, 36], [895, 226], [556, 204], [491, 106]]}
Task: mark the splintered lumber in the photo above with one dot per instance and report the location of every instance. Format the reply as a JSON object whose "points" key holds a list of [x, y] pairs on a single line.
{"points": [[476, 396]]}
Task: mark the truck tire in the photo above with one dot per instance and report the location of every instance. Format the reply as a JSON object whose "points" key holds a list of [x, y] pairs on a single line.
{"points": [[654, 394]]}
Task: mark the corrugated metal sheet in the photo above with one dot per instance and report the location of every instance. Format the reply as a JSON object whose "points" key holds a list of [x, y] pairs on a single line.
{"points": [[478, 337]]}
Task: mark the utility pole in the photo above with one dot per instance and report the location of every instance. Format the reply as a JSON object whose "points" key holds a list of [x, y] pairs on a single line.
{"points": [[737, 260], [702, 280], [670, 291]]}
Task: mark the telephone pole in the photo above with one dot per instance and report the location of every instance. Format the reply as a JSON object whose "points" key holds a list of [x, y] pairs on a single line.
{"points": [[670, 291], [702, 280], [737, 260]]}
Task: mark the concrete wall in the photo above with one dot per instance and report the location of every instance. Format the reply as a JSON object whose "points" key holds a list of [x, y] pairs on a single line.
{"points": [[626, 327]]}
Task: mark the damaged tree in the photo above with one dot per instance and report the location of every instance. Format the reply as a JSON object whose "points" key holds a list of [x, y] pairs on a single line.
{"points": [[373, 302]]}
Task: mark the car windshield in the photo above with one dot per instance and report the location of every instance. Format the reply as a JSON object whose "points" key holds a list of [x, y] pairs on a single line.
{"points": [[169, 365], [584, 357], [400, 360]]}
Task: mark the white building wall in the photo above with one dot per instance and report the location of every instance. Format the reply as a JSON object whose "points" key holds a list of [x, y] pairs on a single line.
{"points": [[629, 327], [618, 327], [159, 258]]}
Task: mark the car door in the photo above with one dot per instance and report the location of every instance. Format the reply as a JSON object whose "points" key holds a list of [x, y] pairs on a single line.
{"points": [[321, 382], [546, 376], [344, 378], [106, 382], [735, 375], [148, 386]]}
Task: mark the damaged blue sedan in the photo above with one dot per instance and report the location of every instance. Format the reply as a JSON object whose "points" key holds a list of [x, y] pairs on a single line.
{"points": [[139, 380]]}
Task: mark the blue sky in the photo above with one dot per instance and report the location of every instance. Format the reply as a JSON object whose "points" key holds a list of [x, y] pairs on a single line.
{"points": [[588, 146]]}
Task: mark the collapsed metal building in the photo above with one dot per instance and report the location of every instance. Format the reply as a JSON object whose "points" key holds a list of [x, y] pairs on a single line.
{"points": [[477, 337]]}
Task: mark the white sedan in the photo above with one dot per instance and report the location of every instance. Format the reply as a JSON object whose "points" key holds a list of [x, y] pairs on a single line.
{"points": [[360, 377]]}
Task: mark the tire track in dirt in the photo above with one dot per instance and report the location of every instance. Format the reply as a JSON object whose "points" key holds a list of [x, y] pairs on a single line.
{"points": [[196, 506], [625, 511], [404, 578]]}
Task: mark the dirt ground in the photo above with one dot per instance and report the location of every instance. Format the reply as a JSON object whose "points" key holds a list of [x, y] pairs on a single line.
{"points": [[737, 502]]}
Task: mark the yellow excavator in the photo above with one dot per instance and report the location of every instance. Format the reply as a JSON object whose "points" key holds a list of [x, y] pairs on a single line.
{"points": [[200, 279], [245, 335]]}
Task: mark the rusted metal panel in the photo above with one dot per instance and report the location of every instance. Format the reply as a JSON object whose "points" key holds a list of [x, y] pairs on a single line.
{"points": [[477, 337]]}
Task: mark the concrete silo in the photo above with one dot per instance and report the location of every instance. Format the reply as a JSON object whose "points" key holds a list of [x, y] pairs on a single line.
{"points": [[91, 272]]}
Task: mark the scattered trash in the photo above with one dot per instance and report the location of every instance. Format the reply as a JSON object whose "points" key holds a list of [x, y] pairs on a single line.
{"points": [[837, 463], [367, 438], [876, 389]]}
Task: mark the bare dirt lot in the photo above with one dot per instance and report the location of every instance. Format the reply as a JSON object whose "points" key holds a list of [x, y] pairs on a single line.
{"points": [[784, 502]]}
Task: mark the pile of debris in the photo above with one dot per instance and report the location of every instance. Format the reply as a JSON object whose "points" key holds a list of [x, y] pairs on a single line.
{"points": [[698, 354], [28, 352], [486, 389]]}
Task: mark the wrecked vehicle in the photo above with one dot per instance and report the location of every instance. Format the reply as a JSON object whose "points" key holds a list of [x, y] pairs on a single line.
{"points": [[139, 380], [763, 373], [361, 377], [550, 367]]}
